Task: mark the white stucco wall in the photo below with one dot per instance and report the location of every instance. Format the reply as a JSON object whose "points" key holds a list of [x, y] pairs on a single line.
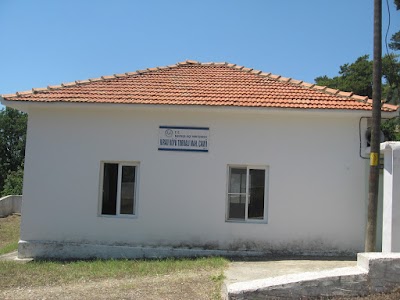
{"points": [[316, 198], [391, 197]]}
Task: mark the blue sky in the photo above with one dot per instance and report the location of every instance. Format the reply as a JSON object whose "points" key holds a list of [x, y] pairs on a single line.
{"points": [[49, 42]]}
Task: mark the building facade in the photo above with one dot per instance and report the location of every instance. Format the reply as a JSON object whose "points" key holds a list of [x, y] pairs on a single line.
{"points": [[148, 179]]}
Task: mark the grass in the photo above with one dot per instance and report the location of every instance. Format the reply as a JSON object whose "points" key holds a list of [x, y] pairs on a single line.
{"points": [[179, 279], [199, 278], [9, 233], [40, 273]]}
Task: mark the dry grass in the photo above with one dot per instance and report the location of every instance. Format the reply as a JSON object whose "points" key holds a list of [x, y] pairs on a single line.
{"points": [[162, 279], [9, 233], [179, 286], [106, 279], [51, 273]]}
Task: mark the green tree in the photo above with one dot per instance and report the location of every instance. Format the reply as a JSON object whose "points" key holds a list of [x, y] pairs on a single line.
{"points": [[13, 125], [397, 2], [13, 182], [395, 44], [357, 78]]}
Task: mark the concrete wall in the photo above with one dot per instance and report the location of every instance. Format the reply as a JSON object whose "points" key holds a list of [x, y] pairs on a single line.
{"points": [[10, 204], [391, 197], [316, 195]]}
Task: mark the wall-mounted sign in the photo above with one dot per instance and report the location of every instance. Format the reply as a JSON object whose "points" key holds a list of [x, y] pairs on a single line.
{"points": [[175, 138]]}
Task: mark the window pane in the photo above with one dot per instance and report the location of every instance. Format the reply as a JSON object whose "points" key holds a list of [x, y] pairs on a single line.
{"points": [[237, 180], [256, 194], [237, 206], [110, 182], [127, 190]]}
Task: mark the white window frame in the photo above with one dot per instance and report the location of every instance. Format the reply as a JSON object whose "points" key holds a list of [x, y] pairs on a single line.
{"points": [[119, 180], [266, 188]]}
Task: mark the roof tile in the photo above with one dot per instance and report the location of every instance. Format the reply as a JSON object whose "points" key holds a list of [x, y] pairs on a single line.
{"points": [[360, 98], [108, 77], [95, 79], [68, 83], [319, 87], [194, 83], [284, 79], [294, 81], [256, 72], [82, 81], [36, 90], [192, 61], [24, 93], [54, 87], [265, 74], [308, 85], [331, 91], [345, 94]]}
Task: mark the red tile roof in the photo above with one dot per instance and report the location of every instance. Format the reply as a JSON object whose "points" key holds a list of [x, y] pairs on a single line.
{"points": [[206, 84]]}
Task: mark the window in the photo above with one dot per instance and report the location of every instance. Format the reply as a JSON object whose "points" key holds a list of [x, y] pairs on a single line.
{"points": [[118, 189], [247, 193]]}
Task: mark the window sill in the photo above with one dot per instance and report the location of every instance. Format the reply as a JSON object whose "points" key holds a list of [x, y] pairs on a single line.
{"points": [[247, 222], [118, 216]]}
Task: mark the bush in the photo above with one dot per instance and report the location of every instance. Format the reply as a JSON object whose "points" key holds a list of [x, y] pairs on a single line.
{"points": [[13, 183]]}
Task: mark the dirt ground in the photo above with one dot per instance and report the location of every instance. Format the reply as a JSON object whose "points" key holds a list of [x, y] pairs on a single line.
{"points": [[167, 287]]}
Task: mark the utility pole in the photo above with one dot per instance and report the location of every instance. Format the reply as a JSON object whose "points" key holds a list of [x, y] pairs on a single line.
{"points": [[370, 237]]}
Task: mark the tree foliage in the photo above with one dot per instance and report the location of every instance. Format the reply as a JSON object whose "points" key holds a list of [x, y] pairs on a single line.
{"points": [[13, 125], [356, 77], [397, 2], [395, 44], [13, 182]]}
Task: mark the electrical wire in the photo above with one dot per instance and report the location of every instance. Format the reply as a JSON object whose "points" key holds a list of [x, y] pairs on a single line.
{"points": [[360, 136], [388, 27]]}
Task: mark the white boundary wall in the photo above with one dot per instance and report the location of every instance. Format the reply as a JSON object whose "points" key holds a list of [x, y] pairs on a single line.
{"points": [[10, 204], [391, 197]]}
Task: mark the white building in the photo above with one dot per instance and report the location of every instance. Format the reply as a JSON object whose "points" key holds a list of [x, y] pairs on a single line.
{"points": [[193, 159]]}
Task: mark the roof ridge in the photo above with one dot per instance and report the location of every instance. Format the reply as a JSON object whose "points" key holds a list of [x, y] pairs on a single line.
{"points": [[279, 78]]}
